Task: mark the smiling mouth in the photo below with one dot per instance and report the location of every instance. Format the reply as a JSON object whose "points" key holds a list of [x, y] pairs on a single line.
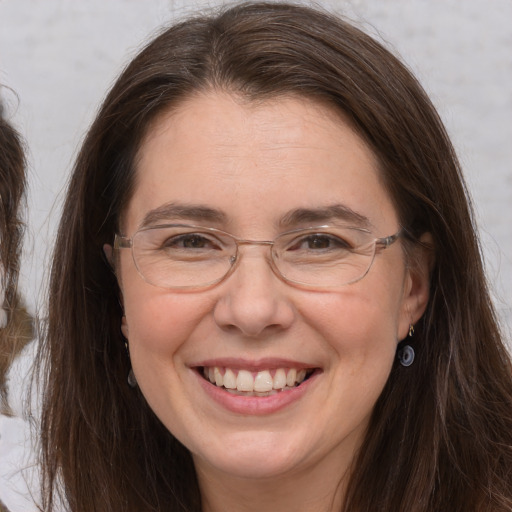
{"points": [[251, 383]]}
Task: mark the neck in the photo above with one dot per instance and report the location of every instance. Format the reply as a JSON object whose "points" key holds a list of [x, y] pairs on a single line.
{"points": [[307, 491]]}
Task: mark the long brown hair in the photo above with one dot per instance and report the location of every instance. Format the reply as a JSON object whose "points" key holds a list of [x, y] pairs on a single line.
{"points": [[441, 433], [18, 329]]}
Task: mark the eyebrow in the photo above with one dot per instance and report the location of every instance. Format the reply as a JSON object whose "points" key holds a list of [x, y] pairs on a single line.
{"points": [[296, 217], [173, 211], [335, 212]]}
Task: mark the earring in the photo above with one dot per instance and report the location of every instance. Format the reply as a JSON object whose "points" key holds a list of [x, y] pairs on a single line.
{"points": [[132, 381], [406, 355]]}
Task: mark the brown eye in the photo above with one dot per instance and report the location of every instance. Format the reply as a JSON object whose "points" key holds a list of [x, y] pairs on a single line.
{"points": [[319, 241], [194, 242], [190, 241]]}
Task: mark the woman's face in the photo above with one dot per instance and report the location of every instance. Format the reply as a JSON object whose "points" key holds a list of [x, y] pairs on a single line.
{"points": [[247, 168]]}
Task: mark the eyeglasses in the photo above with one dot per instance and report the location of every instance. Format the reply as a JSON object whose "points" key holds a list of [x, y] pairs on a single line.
{"points": [[183, 256]]}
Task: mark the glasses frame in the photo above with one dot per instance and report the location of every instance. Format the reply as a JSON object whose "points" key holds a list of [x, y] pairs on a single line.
{"points": [[124, 242]]}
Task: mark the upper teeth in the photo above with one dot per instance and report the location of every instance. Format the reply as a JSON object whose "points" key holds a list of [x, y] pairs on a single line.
{"points": [[247, 381]]}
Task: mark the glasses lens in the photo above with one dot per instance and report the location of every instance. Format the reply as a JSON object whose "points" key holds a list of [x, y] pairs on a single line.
{"points": [[184, 256], [326, 257], [181, 256]]}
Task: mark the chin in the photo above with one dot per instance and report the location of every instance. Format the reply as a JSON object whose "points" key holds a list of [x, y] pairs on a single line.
{"points": [[254, 455]]}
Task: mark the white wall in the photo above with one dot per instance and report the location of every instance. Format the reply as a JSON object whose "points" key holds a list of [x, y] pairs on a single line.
{"points": [[60, 57]]}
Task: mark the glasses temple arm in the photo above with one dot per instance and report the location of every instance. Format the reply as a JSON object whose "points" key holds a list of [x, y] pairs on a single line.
{"points": [[122, 242]]}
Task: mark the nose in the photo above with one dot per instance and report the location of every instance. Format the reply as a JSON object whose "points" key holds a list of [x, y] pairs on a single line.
{"points": [[253, 301]]}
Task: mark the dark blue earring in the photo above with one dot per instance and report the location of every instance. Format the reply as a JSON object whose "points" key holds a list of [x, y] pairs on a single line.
{"points": [[406, 353], [132, 381]]}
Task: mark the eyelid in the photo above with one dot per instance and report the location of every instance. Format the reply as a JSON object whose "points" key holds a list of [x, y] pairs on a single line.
{"points": [[324, 228], [209, 236]]}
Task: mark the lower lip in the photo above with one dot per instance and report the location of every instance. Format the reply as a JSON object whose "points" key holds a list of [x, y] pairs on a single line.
{"points": [[255, 405]]}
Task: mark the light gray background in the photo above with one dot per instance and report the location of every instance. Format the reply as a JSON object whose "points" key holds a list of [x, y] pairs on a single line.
{"points": [[61, 56]]}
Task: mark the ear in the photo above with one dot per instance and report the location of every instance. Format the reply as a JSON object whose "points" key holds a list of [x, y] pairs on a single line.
{"points": [[124, 327], [417, 284], [109, 254]]}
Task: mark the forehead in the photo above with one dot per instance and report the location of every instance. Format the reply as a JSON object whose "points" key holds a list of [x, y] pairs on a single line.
{"points": [[254, 161]]}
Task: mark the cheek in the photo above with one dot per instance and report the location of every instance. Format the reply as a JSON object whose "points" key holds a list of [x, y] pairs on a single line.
{"points": [[359, 324], [360, 331], [355, 317], [157, 321], [159, 331], [161, 323]]}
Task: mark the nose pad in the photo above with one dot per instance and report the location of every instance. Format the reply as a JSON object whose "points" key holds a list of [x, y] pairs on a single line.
{"points": [[253, 300]]}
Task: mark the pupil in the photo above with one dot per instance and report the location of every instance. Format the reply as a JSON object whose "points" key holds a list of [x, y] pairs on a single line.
{"points": [[319, 243], [194, 242]]}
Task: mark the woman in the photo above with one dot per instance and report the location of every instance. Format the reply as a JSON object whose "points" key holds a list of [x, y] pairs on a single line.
{"points": [[267, 291]]}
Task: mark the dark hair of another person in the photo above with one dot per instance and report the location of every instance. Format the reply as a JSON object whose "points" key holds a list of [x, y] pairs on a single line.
{"points": [[18, 330], [440, 437]]}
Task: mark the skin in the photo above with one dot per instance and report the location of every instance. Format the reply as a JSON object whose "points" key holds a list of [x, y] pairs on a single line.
{"points": [[255, 162]]}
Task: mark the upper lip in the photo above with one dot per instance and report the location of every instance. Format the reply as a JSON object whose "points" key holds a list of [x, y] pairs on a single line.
{"points": [[253, 365]]}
